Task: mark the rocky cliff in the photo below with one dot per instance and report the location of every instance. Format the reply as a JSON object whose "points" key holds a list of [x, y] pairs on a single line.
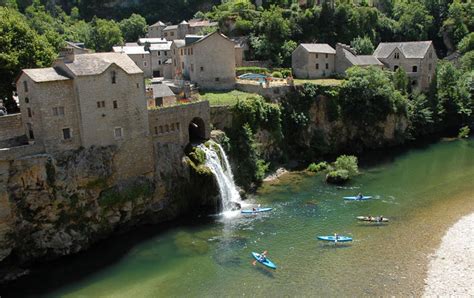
{"points": [[54, 205]]}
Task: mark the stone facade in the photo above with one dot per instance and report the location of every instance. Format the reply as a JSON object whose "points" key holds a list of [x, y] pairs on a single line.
{"points": [[418, 59], [172, 32], [313, 61], [208, 61], [11, 127]]}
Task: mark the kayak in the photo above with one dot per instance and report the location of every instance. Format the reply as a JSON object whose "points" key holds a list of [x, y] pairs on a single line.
{"points": [[372, 219], [333, 239], [357, 198], [257, 210], [266, 262]]}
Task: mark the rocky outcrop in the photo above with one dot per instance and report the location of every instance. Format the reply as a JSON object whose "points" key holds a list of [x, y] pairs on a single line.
{"points": [[57, 205]]}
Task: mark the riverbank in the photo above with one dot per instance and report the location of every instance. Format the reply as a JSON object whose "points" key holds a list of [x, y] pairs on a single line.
{"points": [[451, 269]]}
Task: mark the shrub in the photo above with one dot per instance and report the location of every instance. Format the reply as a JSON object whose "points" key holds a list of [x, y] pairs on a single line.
{"points": [[337, 177], [251, 69], [464, 132], [313, 167], [277, 74], [347, 163]]}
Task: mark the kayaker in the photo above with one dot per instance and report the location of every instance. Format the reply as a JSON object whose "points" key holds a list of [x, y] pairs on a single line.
{"points": [[380, 218], [360, 196], [336, 236]]}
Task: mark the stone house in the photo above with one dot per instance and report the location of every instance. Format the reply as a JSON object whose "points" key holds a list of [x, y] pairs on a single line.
{"points": [[208, 61], [173, 32], [346, 57], [84, 100], [160, 95], [312, 61], [138, 54], [417, 58]]}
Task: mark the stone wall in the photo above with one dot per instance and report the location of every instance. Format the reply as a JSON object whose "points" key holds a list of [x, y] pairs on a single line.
{"points": [[273, 93], [170, 124], [221, 117], [11, 127]]}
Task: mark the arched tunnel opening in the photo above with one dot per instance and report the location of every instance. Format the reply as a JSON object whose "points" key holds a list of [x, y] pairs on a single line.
{"points": [[197, 131]]}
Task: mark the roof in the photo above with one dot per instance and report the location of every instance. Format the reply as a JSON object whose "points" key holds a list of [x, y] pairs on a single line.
{"points": [[77, 45], [161, 90], [142, 41], [184, 23], [205, 37], [323, 48], [189, 39], [202, 23], [131, 50], [161, 46], [158, 24], [172, 27], [411, 49], [131, 44], [361, 59], [41, 75], [179, 43], [97, 63]]}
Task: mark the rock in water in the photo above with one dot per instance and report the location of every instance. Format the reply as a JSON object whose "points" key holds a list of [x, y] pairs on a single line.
{"points": [[235, 206]]}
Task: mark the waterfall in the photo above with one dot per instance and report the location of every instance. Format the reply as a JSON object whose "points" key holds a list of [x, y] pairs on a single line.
{"points": [[227, 189]]}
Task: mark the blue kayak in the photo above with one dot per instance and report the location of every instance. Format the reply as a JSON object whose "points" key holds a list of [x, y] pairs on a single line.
{"points": [[265, 262], [257, 210], [357, 198], [333, 239]]}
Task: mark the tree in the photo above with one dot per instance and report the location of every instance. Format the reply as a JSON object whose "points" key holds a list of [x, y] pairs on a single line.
{"points": [[414, 21], [460, 21], [467, 61], [420, 116], [104, 35], [134, 27], [401, 81], [20, 47], [467, 43], [363, 45]]}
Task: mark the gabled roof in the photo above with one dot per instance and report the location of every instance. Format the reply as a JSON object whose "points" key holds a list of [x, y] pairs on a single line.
{"points": [[130, 50], [361, 60], [189, 39], [161, 46], [97, 63], [142, 41], [42, 75], [161, 90], [323, 48], [184, 23], [172, 27], [158, 24], [411, 49], [207, 36], [179, 43]]}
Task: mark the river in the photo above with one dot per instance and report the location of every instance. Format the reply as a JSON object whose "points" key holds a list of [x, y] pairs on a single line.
{"points": [[423, 191]]}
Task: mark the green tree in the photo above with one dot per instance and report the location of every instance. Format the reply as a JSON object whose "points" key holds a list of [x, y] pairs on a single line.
{"points": [[460, 20], [363, 45], [20, 47], [467, 43], [134, 27], [420, 116], [414, 21], [104, 35], [401, 81], [467, 61]]}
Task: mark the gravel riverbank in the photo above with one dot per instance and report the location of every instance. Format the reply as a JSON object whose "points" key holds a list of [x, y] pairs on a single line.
{"points": [[451, 269]]}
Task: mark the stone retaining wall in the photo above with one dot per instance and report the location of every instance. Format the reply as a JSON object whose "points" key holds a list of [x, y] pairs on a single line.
{"points": [[11, 127], [273, 93]]}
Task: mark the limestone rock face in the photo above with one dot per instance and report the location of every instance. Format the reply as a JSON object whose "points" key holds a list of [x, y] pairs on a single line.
{"points": [[55, 205]]}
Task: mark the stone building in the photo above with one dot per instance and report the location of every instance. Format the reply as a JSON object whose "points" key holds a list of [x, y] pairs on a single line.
{"points": [[208, 61], [173, 32], [346, 57], [138, 54], [84, 100], [312, 61], [160, 95], [417, 58]]}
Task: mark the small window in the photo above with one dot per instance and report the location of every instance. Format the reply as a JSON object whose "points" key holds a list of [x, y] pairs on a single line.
{"points": [[414, 83], [181, 52], [177, 126], [159, 62], [327, 65], [138, 85], [174, 62], [395, 67], [143, 56], [202, 68], [397, 56], [192, 67], [158, 53], [317, 56], [61, 111], [114, 77], [172, 34], [25, 86], [27, 100], [67, 134], [115, 104], [191, 51], [30, 114], [414, 69], [217, 79], [101, 104], [166, 53], [317, 65], [327, 56], [156, 130], [118, 132]]}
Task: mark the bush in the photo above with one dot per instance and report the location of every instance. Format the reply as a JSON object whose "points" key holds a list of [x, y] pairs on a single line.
{"points": [[252, 69], [347, 163], [337, 177], [464, 132], [313, 167], [277, 74]]}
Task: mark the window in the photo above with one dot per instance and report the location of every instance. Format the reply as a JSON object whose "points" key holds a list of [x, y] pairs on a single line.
{"points": [[317, 65], [172, 126], [192, 67], [396, 56], [327, 65], [118, 133], [158, 53], [59, 111], [191, 51], [101, 104], [30, 114], [166, 34], [429, 66], [167, 128], [166, 53], [181, 52], [395, 67], [114, 77], [159, 62], [327, 56], [143, 56], [158, 101], [177, 126], [171, 33], [414, 83], [138, 85], [67, 135], [27, 100], [25, 86], [317, 56], [174, 62], [217, 79], [156, 130], [202, 68], [414, 69], [115, 104], [144, 64]]}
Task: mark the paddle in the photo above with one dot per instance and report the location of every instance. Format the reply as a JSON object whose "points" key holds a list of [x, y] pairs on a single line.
{"points": [[263, 253]]}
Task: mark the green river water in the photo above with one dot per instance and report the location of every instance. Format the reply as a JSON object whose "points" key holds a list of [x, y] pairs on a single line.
{"points": [[422, 191]]}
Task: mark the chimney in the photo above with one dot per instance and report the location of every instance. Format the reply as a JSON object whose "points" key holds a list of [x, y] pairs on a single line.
{"points": [[67, 54]]}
